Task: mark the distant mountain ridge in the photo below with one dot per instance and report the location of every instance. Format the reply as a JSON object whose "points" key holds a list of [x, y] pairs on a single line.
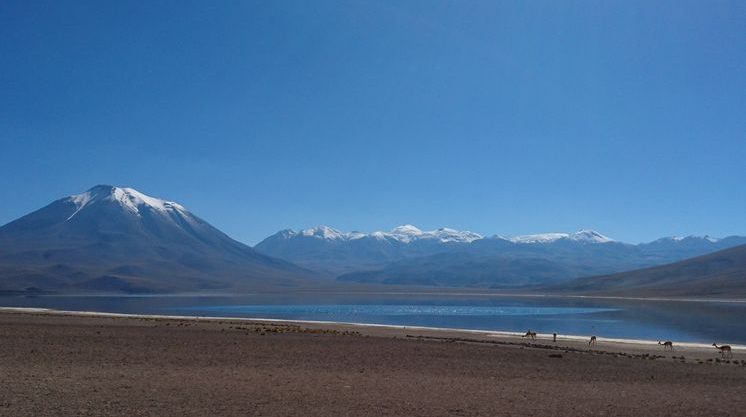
{"points": [[118, 239], [722, 273], [407, 255]]}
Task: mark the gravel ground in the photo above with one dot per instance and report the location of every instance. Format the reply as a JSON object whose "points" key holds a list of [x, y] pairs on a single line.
{"points": [[58, 365]]}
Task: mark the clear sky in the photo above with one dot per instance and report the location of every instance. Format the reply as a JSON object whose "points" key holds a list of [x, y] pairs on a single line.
{"points": [[501, 117]]}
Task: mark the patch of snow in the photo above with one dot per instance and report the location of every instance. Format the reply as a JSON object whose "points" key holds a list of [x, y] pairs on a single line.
{"points": [[539, 238], [406, 233], [80, 201], [324, 232], [356, 235], [446, 235], [690, 237], [590, 236], [409, 233]]}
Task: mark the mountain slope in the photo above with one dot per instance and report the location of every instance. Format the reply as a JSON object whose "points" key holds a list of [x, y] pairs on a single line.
{"points": [[463, 269], [722, 273], [118, 239], [498, 263]]}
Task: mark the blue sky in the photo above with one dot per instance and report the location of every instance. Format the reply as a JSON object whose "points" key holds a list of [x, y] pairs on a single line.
{"points": [[628, 117]]}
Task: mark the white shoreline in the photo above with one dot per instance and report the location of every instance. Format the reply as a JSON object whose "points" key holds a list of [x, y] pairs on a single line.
{"points": [[487, 333]]}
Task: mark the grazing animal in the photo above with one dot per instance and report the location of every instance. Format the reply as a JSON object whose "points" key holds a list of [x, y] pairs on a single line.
{"points": [[592, 341], [666, 345], [724, 350], [530, 334]]}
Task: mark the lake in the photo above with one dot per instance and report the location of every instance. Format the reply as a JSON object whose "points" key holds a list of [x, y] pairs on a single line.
{"points": [[705, 322]]}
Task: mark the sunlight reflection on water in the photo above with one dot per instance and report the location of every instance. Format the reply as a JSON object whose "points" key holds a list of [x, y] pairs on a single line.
{"points": [[401, 310]]}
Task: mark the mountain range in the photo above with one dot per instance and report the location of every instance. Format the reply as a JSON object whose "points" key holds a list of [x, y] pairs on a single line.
{"points": [[448, 257], [118, 239], [331, 252]]}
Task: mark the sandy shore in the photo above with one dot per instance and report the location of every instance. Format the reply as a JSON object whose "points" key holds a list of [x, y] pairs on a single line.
{"points": [[59, 363]]}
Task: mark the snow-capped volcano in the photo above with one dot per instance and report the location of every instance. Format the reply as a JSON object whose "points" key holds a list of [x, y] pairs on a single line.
{"points": [[585, 236], [119, 239]]}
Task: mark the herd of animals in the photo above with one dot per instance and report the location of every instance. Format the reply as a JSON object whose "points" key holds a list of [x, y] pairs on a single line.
{"points": [[725, 350]]}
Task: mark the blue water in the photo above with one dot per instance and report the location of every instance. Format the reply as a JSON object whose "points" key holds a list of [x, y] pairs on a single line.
{"points": [[383, 310], [704, 322]]}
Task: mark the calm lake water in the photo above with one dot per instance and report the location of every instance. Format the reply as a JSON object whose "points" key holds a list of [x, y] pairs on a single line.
{"points": [[707, 322]]}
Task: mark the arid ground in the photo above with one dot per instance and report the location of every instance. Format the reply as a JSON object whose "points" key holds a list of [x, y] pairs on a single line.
{"points": [[68, 365]]}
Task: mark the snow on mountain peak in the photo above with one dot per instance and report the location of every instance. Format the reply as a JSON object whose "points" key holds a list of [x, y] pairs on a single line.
{"points": [[588, 236], [404, 234], [409, 233], [690, 237], [591, 236], [129, 198], [451, 235], [407, 229], [324, 232], [538, 238]]}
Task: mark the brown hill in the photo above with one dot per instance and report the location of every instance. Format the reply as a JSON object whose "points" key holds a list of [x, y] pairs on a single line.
{"points": [[722, 274]]}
